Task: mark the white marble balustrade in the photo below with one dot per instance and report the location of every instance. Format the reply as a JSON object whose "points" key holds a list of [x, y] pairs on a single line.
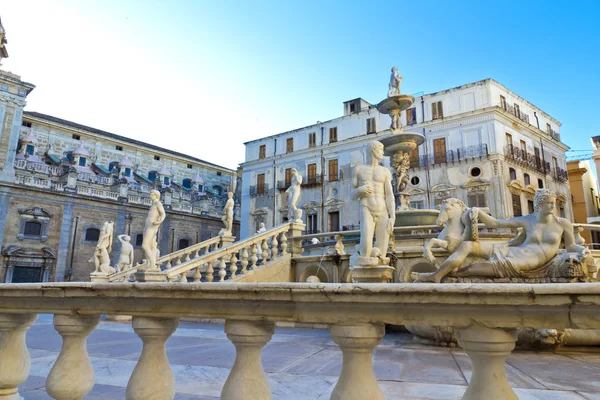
{"points": [[485, 317]]}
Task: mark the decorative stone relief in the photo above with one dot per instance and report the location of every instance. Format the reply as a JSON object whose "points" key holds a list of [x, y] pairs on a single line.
{"points": [[34, 214]]}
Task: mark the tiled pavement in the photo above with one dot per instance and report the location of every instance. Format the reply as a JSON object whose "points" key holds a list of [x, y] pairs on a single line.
{"points": [[304, 364]]}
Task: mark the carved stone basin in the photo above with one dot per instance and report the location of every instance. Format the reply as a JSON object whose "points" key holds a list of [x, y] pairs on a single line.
{"points": [[416, 217], [404, 142]]}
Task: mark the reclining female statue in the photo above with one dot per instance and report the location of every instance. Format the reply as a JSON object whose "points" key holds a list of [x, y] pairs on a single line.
{"points": [[529, 255]]}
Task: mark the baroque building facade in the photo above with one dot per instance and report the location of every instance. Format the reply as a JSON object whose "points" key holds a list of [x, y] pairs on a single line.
{"points": [[484, 144], [60, 181]]}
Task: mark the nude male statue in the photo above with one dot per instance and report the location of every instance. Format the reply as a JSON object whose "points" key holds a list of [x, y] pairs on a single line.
{"points": [[156, 216], [372, 185], [101, 258], [228, 215], [526, 256], [126, 255]]}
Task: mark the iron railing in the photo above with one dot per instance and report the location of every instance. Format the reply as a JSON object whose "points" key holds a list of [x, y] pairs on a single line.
{"points": [[259, 190], [525, 159], [452, 156], [312, 180]]}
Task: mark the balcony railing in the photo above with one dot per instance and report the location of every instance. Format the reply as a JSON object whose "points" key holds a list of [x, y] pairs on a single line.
{"points": [[484, 318], [92, 178], [517, 113], [283, 185], [39, 167], [560, 174], [553, 134], [451, 157], [525, 159], [259, 190], [312, 180]]}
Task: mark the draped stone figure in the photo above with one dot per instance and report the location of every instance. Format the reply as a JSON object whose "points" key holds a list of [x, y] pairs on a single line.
{"points": [[156, 216]]}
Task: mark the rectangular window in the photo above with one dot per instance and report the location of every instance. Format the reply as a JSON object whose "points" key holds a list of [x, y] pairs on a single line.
{"points": [[82, 161], [332, 170], [288, 177], [260, 183], [555, 164], [437, 111], [312, 173], [530, 206], [289, 145], [219, 173], [311, 221], [30, 149], [120, 148], [371, 125], [414, 158], [417, 205], [262, 151], [517, 111], [332, 135], [411, 116], [312, 140], [538, 160], [189, 166], [503, 103], [439, 151], [334, 221], [561, 211], [548, 129], [157, 158], [76, 137], [516, 203], [26, 124], [476, 200], [509, 139], [523, 147]]}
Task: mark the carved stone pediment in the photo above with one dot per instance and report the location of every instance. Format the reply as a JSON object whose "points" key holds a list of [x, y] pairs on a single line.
{"points": [[35, 213], [443, 191], [515, 187], [529, 192], [334, 204], [476, 185], [311, 207], [416, 192], [260, 211], [18, 251]]}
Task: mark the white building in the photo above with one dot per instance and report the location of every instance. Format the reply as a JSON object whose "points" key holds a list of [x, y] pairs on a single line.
{"points": [[484, 144]]}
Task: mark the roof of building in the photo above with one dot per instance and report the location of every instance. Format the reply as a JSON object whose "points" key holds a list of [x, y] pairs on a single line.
{"points": [[113, 136]]}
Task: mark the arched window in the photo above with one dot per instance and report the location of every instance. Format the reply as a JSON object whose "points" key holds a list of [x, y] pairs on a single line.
{"points": [[139, 239], [92, 234], [540, 184], [218, 190], [513, 173], [187, 183], [33, 229], [527, 179], [113, 165], [152, 176], [183, 243]]}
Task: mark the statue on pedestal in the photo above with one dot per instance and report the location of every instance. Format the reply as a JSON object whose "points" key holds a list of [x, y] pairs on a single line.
{"points": [[228, 216], [293, 195], [372, 186], [101, 257], [533, 253], [156, 216], [126, 255], [395, 81]]}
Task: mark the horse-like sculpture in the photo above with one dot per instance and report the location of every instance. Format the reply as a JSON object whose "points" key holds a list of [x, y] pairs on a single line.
{"points": [[459, 226]]}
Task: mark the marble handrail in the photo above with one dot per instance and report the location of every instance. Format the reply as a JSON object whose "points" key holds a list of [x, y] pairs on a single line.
{"points": [[253, 251], [484, 316]]}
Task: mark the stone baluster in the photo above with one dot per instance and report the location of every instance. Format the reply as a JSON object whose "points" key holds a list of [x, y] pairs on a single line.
{"points": [[222, 271], [197, 274], [357, 380], [247, 378], [152, 377], [233, 265], [14, 357], [488, 348], [186, 256], [183, 277], [253, 257], [265, 251], [244, 262], [274, 244], [209, 272], [177, 260], [168, 264], [284, 244], [72, 376]]}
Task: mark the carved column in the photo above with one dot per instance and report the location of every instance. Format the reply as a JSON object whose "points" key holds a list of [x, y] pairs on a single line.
{"points": [[488, 348], [153, 377], [14, 357], [247, 380], [72, 376], [357, 380]]}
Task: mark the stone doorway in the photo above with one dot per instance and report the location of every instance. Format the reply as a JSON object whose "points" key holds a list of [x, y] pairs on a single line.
{"points": [[28, 264]]}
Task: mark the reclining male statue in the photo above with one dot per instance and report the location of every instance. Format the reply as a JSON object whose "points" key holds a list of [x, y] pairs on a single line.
{"points": [[533, 253]]}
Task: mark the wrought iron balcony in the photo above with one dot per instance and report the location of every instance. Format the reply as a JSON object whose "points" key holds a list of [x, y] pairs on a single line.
{"points": [[259, 190], [452, 156], [283, 185], [313, 180], [560, 174], [525, 159]]}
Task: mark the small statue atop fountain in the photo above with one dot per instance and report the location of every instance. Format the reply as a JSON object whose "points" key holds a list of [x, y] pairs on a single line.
{"points": [[156, 216], [533, 253], [293, 195], [126, 255], [228, 216], [101, 258], [395, 81], [372, 186]]}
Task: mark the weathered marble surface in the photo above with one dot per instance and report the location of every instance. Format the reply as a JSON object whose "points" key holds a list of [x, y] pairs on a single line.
{"points": [[201, 356]]}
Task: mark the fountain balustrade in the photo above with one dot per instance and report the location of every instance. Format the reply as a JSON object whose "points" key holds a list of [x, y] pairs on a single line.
{"points": [[485, 321]]}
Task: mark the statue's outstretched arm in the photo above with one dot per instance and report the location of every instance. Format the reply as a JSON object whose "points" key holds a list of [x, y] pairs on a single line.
{"points": [[492, 222]]}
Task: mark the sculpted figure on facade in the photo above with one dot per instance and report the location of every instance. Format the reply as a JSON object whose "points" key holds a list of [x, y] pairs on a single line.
{"points": [[156, 216], [262, 228], [293, 195], [533, 253], [101, 258], [228, 216], [395, 82], [126, 255], [372, 186]]}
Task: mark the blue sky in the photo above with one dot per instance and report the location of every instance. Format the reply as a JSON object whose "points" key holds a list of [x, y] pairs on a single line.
{"points": [[202, 77]]}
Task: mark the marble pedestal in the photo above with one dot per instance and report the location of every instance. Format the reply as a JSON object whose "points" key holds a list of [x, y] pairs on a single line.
{"points": [[150, 276]]}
